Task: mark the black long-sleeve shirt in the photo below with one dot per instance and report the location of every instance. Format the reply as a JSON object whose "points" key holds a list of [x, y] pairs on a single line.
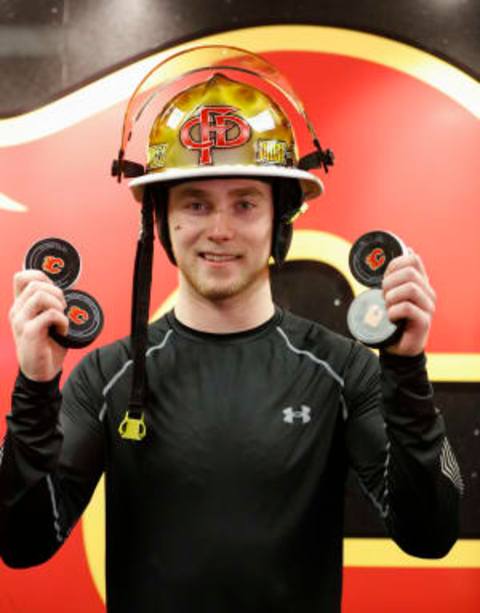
{"points": [[234, 499]]}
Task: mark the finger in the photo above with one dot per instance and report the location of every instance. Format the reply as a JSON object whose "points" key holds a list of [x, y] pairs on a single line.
{"points": [[403, 274], [41, 301], [23, 278], [410, 292], [419, 264], [408, 275], [409, 259], [37, 286], [34, 306], [41, 325], [411, 312]]}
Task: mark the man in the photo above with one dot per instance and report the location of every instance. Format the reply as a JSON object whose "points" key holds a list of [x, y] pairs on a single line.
{"points": [[229, 497]]}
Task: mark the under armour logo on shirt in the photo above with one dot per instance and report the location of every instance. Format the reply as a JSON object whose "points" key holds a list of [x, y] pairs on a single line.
{"points": [[302, 415]]}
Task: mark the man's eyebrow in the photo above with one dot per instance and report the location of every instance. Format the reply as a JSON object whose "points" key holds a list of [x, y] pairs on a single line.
{"points": [[197, 192], [248, 191], [192, 191]]}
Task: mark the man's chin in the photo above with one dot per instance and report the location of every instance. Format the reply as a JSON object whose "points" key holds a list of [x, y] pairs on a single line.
{"points": [[218, 293], [217, 289]]}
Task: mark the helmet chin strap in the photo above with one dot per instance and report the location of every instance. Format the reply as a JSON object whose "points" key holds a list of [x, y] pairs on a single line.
{"points": [[133, 425]]}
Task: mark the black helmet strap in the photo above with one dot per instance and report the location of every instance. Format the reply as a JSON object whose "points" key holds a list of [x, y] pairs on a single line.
{"points": [[133, 425]]}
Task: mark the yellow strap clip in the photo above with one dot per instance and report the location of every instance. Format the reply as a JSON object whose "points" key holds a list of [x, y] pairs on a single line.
{"points": [[301, 210], [132, 428]]}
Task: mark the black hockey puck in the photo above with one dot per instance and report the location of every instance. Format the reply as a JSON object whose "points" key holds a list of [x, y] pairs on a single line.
{"points": [[55, 257], [85, 320], [368, 320], [371, 254]]}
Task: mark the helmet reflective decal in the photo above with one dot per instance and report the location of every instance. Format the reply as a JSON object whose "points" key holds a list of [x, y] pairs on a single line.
{"points": [[157, 155], [273, 152]]}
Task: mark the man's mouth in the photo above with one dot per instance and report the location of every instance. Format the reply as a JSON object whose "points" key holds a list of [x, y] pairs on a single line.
{"points": [[219, 257]]}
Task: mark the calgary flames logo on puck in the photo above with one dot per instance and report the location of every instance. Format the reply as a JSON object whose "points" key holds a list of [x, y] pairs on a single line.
{"points": [[52, 264], [375, 259], [77, 315]]}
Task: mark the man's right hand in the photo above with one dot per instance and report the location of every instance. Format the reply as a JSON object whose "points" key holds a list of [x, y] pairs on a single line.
{"points": [[38, 305]]}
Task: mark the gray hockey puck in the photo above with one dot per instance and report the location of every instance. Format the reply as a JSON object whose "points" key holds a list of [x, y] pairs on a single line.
{"points": [[368, 321]]}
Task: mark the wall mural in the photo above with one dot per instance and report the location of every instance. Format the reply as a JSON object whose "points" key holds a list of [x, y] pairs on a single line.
{"points": [[405, 129]]}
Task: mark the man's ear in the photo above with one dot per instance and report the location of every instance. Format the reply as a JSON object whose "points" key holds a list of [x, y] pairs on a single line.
{"points": [[160, 197], [287, 200]]}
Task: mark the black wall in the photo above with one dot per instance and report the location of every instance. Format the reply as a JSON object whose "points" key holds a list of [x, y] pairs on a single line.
{"points": [[49, 47]]}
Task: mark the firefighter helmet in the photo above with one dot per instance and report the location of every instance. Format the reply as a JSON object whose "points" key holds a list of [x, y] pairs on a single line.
{"points": [[222, 127]]}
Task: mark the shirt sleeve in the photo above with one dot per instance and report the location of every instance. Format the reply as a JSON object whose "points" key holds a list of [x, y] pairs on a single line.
{"points": [[51, 460], [397, 444]]}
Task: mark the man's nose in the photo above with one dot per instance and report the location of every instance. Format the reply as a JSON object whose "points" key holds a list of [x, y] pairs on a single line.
{"points": [[221, 226]]}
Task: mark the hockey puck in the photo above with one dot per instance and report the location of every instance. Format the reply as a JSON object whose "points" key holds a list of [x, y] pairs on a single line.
{"points": [[371, 254], [57, 258], [368, 320], [85, 320]]}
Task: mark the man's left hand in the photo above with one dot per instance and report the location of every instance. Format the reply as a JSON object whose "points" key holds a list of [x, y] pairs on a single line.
{"points": [[409, 296]]}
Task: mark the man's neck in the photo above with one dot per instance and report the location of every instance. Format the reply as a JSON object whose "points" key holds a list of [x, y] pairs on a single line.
{"points": [[234, 314]]}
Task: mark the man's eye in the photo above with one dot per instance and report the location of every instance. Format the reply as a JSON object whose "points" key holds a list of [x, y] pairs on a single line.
{"points": [[246, 205], [196, 206]]}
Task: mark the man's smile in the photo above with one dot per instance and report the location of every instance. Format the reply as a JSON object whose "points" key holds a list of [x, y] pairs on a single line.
{"points": [[218, 258]]}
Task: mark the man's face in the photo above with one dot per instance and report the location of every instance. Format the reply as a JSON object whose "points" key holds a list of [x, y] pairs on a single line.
{"points": [[221, 234]]}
